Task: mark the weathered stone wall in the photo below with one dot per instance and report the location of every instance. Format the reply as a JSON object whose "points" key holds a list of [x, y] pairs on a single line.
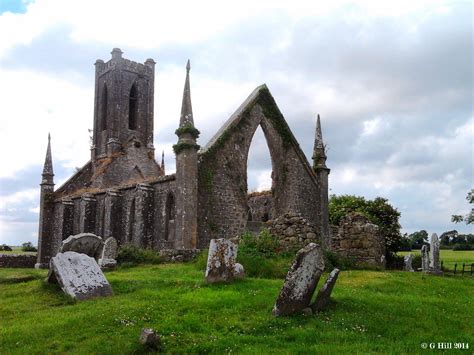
{"points": [[222, 207], [359, 239], [293, 231], [260, 206], [134, 214], [17, 260]]}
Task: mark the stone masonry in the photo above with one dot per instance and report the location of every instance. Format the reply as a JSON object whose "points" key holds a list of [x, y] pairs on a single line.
{"points": [[123, 192], [359, 239], [292, 231]]}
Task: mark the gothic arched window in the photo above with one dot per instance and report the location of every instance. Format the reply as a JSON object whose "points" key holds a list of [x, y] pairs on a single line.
{"points": [[103, 112], [133, 108]]}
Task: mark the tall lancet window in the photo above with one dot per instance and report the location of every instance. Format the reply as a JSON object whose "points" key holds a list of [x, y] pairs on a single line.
{"points": [[133, 108], [103, 111]]}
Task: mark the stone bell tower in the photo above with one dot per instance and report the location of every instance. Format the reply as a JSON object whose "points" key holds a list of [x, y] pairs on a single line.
{"points": [[123, 105], [122, 143]]}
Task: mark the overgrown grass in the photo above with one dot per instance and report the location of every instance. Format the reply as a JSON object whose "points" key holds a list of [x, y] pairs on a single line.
{"points": [[450, 257], [371, 312]]}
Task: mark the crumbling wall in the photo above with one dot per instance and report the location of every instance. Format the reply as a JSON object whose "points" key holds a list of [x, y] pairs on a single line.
{"points": [[17, 260], [357, 238], [293, 231], [260, 206]]}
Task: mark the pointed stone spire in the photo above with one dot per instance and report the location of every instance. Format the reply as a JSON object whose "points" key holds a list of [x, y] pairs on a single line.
{"points": [[319, 152], [163, 162], [48, 165], [186, 108]]}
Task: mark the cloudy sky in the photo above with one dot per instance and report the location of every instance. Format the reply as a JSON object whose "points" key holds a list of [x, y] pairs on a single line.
{"points": [[392, 81]]}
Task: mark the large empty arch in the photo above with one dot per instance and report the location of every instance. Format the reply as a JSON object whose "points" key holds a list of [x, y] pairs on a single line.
{"points": [[223, 209]]}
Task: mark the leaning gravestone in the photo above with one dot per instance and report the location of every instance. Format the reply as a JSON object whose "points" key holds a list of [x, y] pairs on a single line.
{"points": [[425, 259], [221, 261], [408, 259], [85, 243], [301, 281], [324, 294], [109, 254], [78, 275], [435, 267]]}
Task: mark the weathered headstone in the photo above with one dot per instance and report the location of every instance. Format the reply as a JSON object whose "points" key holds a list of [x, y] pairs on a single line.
{"points": [[425, 258], [85, 243], [221, 261], [150, 338], [408, 259], [435, 267], [79, 276], [301, 281], [239, 272], [109, 254], [324, 294]]}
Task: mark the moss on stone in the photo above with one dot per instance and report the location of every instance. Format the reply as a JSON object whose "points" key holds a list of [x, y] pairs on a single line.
{"points": [[178, 148], [208, 179], [188, 128]]}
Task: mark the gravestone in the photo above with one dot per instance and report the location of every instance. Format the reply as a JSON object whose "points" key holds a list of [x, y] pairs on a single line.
{"points": [[435, 267], [239, 272], [408, 259], [150, 338], [109, 254], [324, 294], [221, 261], [79, 276], [425, 259], [300, 281], [85, 243]]}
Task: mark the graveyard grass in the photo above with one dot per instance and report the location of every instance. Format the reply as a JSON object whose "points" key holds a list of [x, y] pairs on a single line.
{"points": [[372, 311]]}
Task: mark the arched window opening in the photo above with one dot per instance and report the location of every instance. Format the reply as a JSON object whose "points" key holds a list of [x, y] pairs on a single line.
{"points": [[133, 108], [103, 112], [131, 221], [170, 213]]}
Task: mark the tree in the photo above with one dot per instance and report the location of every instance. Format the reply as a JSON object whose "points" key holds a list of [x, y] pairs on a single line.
{"points": [[418, 239], [28, 246], [469, 218], [378, 211], [448, 238]]}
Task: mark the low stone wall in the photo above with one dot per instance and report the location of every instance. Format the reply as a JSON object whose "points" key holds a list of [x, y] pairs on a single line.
{"points": [[179, 255], [17, 260], [293, 231], [359, 239]]}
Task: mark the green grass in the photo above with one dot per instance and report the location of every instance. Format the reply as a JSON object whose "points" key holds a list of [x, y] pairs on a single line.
{"points": [[17, 250], [371, 312], [450, 257]]}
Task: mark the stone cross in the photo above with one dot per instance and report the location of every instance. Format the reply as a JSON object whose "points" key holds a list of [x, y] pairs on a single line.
{"points": [[301, 281], [408, 259], [425, 258]]}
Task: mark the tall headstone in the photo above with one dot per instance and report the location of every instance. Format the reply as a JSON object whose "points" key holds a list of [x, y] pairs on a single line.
{"points": [[425, 258], [221, 261], [301, 281], [78, 275], [408, 259], [435, 266]]}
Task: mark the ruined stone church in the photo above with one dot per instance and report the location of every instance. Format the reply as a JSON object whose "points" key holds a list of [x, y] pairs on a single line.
{"points": [[123, 192]]}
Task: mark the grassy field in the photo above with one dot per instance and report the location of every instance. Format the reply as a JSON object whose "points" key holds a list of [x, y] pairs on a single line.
{"points": [[450, 257], [17, 250], [372, 312]]}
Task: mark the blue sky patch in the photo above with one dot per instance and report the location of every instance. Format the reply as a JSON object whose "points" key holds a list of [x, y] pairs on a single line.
{"points": [[14, 6]]}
